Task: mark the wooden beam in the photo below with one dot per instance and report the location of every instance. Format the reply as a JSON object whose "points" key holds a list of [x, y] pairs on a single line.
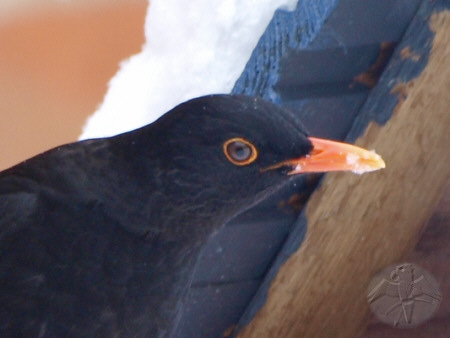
{"points": [[358, 225]]}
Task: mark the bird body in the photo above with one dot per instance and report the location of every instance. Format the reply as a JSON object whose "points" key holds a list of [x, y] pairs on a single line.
{"points": [[101, 237]]}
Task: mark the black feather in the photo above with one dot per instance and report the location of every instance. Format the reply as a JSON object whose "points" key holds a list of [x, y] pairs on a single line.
{"points": [[99, 238]]}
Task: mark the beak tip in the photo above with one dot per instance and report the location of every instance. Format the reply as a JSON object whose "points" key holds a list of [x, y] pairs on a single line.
{"points": [[366, 162], [378, 161]]}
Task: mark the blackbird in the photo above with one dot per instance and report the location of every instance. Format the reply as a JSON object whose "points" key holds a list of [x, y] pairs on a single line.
{"points": [[99, 238]]}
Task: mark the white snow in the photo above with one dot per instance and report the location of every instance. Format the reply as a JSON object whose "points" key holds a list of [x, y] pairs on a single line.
{"points": [[352, 159], [192, 48]]}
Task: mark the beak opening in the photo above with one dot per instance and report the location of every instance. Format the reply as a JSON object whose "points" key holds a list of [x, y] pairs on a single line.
{"points": [[329, 156]]}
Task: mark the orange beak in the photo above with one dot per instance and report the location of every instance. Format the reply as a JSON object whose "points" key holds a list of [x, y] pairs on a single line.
{"points": [[329, 155]]}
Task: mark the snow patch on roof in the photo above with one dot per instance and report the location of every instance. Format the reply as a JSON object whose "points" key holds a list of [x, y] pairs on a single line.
{"points": [[192, 48]]}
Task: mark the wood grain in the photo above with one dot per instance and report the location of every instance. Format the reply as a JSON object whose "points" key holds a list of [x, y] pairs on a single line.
{"points": [[357, 225]]}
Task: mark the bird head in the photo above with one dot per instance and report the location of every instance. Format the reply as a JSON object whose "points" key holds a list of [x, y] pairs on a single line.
{"points": [[224, 153]]}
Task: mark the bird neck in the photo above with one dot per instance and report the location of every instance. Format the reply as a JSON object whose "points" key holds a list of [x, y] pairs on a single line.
{"points": [[162, 201]]}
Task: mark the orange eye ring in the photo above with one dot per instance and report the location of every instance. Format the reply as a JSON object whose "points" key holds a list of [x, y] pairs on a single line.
{"points": [[240, 151]]}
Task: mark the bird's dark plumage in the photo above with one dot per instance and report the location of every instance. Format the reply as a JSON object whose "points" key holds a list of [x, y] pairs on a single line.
{"points": [[100, 237]]}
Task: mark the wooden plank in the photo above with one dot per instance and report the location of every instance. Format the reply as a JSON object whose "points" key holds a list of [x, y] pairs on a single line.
{"points": [[360, 224], [287, 30], [433, 254]]}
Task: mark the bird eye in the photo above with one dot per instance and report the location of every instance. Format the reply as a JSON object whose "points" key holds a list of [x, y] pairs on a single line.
{"points": [[240, 151]]}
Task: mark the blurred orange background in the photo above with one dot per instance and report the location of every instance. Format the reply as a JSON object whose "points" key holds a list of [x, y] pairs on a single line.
{"points": [[56, 58]]}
